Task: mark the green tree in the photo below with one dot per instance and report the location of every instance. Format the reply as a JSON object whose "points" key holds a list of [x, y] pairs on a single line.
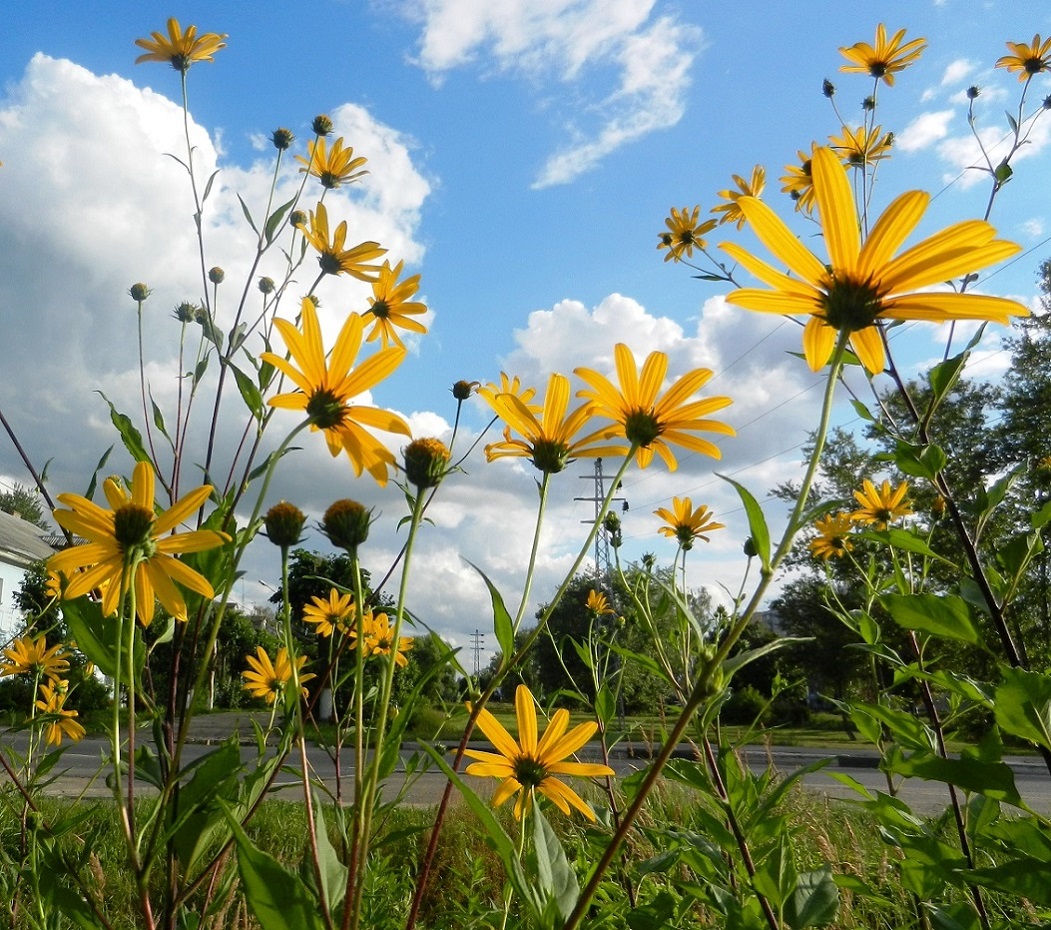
{"points": [[25, 502]]}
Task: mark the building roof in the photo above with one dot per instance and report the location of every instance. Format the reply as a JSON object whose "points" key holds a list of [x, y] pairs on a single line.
{"points": [[22, 542]]}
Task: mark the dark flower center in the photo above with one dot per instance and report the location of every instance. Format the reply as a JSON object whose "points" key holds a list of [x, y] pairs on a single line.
{"points": [[684, 534], [325, 409], [529, 772], [1033, 65], [667, 238], [329, 179], [686, 237], [549, 456], [380, 309], [641, 428], [330, 263], [878, 68], [132, 526], [181, 62], [850, 305]]}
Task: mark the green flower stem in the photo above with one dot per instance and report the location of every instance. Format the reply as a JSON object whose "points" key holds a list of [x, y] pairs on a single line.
{"points": [[476, 707], [527, 586], [358, 823]]}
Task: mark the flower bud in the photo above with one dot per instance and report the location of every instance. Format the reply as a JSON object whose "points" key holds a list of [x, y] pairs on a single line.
{"points": [[973, 92], [611, 524], [282, 139], [266, 285], [322, 125], [749, 548], [828, 88], [425, 462], [346, 524], [284, 524], [297, 218], [216, 275], [139, 292], [869, 103], [464, 389], [186, 312]]}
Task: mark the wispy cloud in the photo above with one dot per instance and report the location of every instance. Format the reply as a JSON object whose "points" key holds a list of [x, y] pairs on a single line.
{"points": [[924, 131], [576, 42]]}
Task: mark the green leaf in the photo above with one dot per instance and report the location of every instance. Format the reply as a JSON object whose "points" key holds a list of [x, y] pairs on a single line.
{"points": [[1039, 519], [555, 876], [742, 659], [760, 533], [198, 372], [1025, 878], [1023, 705], [992, 779], [333, 872], [93, 483], [275, 218], [248, 216], [208, 185], [862, 411], [920, 461], [129, 435], [97, 637], [61, 899], [775, 875], [605, 703], [278, 898], [947, 616], [1004, 172], [905, 540], [943, 377], [815, 901], [502, 624], [249, 393]]}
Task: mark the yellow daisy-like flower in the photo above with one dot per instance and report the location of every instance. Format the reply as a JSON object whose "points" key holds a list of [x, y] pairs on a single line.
{"points": [[529, 765], [651, 423], [1027, 60], [833, 537], [391, 307], [798, 183], [862, 285], [684, 523], [180, 49], [511, 386], [332, 257], [330, 614], [327, 385], [684, 233], [265, 679], [863, 146], [331, 166], [52, 701], [31, 656], [886, 58], [133, 534], [880, 506], [548, 441], [731, 212], [598, 604], [379, 639]]}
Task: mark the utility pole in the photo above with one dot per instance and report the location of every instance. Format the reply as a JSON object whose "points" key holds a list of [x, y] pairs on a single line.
{"points": [[603, 568], [477, 644]]}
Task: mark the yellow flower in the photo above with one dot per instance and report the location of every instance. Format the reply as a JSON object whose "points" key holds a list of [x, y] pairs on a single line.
{"points": [[391, 307], [863, 285], [548, 441], [597, 604], [798, 183], [529, 765], [511, 386], [650, 423], [860, 147], [30, 656], [684, 233], [131, 533], [685, 524], [52, 702], [880, 506], [833, 537], [379, 639], [330, 614], [886, 59], [332, 167], [265, 679], [180, 49], [332, 257], [731, 212], [327, 385], [1027, 60]]}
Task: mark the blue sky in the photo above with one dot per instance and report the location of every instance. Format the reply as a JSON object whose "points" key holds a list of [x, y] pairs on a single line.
{"points": [[523, 157]]}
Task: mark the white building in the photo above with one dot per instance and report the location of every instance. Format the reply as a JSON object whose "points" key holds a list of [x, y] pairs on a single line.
{"points": [[21, 543]]}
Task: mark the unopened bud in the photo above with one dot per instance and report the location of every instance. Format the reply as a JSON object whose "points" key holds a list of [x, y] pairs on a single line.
{"points": [[284, 524], [282, 139], [322, 125], [216, 275], [425, 462], [139, 292], [346, 524]]}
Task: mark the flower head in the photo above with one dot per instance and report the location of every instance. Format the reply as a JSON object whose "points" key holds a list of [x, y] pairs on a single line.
{"points": [[463, 389], [685, 523], [598, 604], [1027, 60], [833, 537], [332, 257], [328, 384], [284, 524], [426, 462], [390, 306], [880, 506], [332, 166], [131, 532], [731, 212], [862, 285], [52, 701], [265, 679], [651, 423], [798, 183], [30, 655], [330, 614], [180, 49], [684, 233], [530, 765], [511, 386], [863, 146], [346, 523], [885, 59], [549, 441], [379, 639]]}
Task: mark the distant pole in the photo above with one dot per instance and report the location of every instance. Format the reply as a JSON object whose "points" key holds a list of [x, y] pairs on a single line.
{"points": [[603, 567], [477, 644]]}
